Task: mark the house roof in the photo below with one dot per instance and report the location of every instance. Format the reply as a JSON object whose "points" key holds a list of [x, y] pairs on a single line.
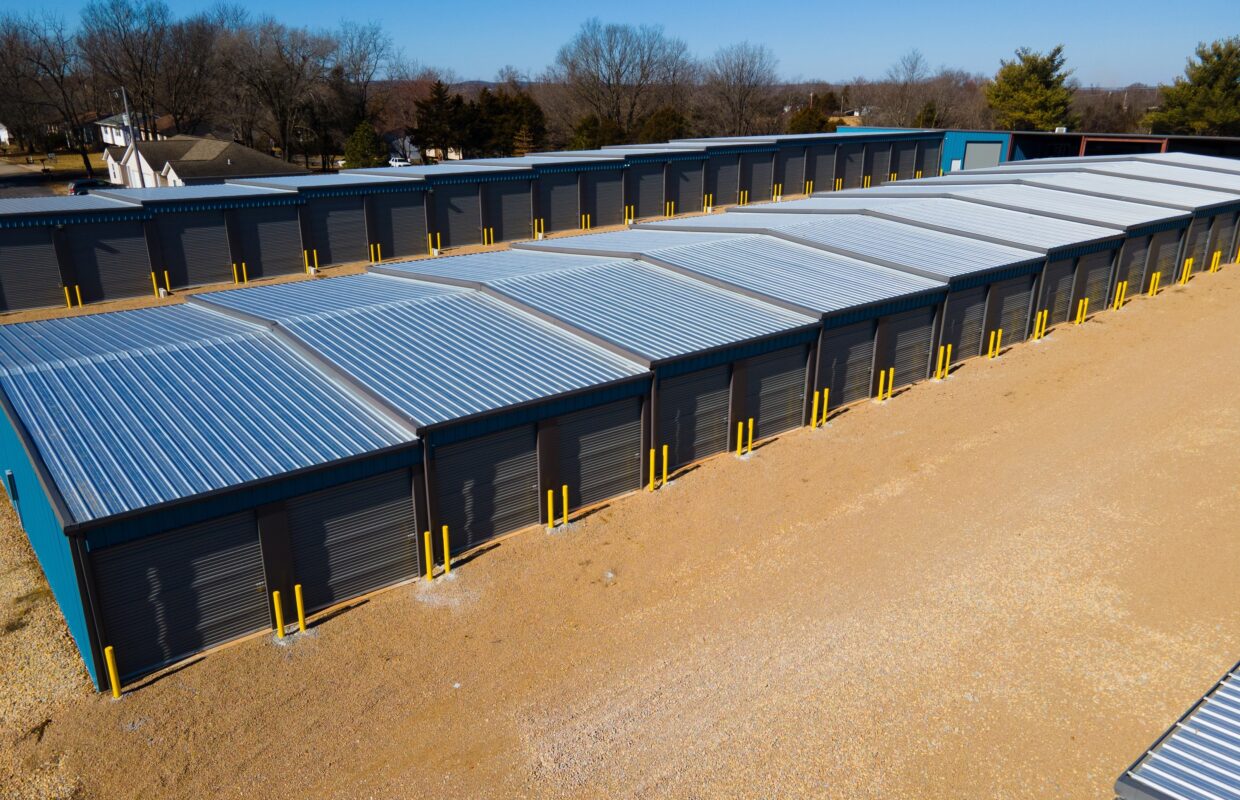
{"points": [[198, 157]]}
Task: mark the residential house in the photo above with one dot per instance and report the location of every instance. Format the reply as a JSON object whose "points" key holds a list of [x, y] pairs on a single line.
{"points": [[4, 135], [114, 130], [187, 160]]}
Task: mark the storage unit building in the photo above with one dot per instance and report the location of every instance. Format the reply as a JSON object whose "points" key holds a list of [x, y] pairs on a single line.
{"points": [[558, 181], [873, 317], [699, 340], [684, 174]]}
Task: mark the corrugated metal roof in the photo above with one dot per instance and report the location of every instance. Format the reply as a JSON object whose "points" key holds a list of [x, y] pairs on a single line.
{"points": [[785, 272], [349, 178], [135, 408], [1196, 161], [1182, 197], [429, 171], [1198, 758], [176, 194], [539, 160], [1170, 173], [61, 205], [958, 216], [438, 356], [652, 312], [611, 152], [941, 254]]}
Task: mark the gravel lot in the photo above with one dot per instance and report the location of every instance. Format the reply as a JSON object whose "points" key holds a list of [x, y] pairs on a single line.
{"points": [[1003, 585]]}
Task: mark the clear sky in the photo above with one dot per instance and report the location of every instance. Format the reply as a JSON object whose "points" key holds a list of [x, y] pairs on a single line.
{"points": [[1108, 43]]}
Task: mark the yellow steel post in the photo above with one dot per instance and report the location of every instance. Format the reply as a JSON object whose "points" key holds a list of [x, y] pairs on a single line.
{"points": [[316, 262], [891, 381], [430, 555], [999, 343], [114, 678], [749, 443], [947, 365], [245, 273], [429, 248], [447, 553], [990, 346], [813, 414], [550, 509], [370, 252], [882, 381], [664, 481], [1155, 279], [650, 485], [439, 241], [938, 365], [564, 493], [301, 608], [167, 283], [378, 251], [77, 288], [1085, 309], [235, 273], [275, 599], [740, 436], [154, 284], [305, 261], [826, 396], [68, 302]]}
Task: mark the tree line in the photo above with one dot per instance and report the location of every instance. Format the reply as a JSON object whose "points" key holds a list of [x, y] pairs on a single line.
{"points": [[303, 93]]}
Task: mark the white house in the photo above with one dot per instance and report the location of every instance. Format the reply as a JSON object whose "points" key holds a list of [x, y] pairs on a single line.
{"points": [[114, 130], [4, 135], [184, 160]]}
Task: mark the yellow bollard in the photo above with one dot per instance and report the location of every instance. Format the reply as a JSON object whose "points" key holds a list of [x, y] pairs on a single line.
{"points": [[891, 381], [379, 251], [1155, 279], [947, 367], [550, 509], [813, 414], [740, 436], [999, 343], [1187, 272], [664, 482], [154, 285], [447, 553], [439, 241], [564, 492], [749, 444], [275, 599], [114, 678], [430, 555], [167, 283], [316, 263], [301, 608], [1084, 309], [235, 280], [990, 346], [882, 384], [245, 273], [77, 288], [650, 485], [305, 261], [938, 365], [68, 302], [430, 247], [826, 395]]}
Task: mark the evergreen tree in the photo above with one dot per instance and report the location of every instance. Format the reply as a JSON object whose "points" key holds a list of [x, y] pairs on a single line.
{"points": [[1032, 92], [442, 122], [591, 133], [364, 148], [810, 119], [663, 125], [1206, 101]]}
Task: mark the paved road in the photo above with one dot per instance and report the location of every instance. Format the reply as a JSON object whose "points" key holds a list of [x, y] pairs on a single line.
{"points": [[19, 181]]}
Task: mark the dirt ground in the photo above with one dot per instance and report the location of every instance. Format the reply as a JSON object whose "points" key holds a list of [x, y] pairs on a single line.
{"points": [[1003, 585]]}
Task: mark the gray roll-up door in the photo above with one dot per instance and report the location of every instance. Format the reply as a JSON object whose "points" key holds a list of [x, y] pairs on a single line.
{"points": [[458, 215], [29, 272], [775, 391], [851, 158], [963, 316], [930, 159], [400, 223], [509, 210], [904, 159], [1009, 309], [270, 241], [487, 486], [879, 156], [757, 175], [168, 596], [845, 362], [1220, 239], [111, 260], [1131, 268], [1198, 236], [195, 248], [1163, 249], [723, 178], [1094, 275], [338, 229], [354, 538], [693, 414], [558, 201], [979, 155], [600, 451], [906, 340], [1057, 280], [645, 189], [684, 185], [790, 170], [821, 166], [603, 197]]}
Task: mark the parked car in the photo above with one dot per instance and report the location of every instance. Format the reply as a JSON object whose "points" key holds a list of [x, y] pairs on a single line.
{"points": [[399, 161], [84, 185]]}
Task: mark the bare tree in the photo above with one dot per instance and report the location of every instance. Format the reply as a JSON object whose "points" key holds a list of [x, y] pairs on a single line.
{"points": [[125, 41], [906, 85], [188, 85], [740, 89]]}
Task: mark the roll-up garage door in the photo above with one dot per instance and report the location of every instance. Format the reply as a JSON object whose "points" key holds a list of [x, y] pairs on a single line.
{"points": [[821, 166], [354, 538], [1198, 235], [930, 159], [111, 260], [1163, 249], [1094, 274], [684, 185], [400, 223], [905, 345], [645, 189], [879, 156], [600, 451], [270, 241], [29, 272], [723, 179], [775, 391], [195, 248], [1220, 239], [1132, 264], [845, 362], [168, 596], [963, 316], [338, 229], [757, 175], [904, 159], [852, 164], [790, 170], [1057, 282], [557, 201], [509, 210], [1009, 309], [979, 155], [458, 215], [693, 414], [487, 486], [603, 197]]}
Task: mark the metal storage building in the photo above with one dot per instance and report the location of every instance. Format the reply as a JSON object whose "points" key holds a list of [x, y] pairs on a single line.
{"points": [[701, 342], [989, 284], [684, 170], [559, 181], [1080, 257], [481, 382], [873, 318]]}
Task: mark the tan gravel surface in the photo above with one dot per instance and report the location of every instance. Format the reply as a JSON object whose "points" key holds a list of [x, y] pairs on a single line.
{"points": [[1004, 585]]}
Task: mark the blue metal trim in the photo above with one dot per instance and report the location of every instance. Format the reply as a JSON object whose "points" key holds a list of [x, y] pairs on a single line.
{"points": [[480, 177], [995, 276], [311, 193], [1159, 227], [36, 221], [850, 315], [223, 205], [727, 355], [651, 159], [610, 165], [1056, 254]]}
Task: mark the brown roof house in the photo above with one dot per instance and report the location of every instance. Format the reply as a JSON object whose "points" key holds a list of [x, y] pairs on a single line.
{"points": [[187, 160]]}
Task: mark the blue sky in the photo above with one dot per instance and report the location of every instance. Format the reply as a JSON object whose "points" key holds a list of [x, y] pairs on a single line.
{"points": [[1108, 43]]}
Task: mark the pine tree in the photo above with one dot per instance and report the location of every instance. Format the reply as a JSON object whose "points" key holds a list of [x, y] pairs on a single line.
{"points": [[364, 148], [810, 119], [1032, 92], [1206, 101]]}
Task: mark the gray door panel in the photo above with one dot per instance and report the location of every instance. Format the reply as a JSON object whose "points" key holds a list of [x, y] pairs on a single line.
{"points": [[338, 229], [775, 391], [29, 272], [111, 260], [962, 322], [845, 362], [600, 451], [400, 223], [487, 486], [693, 414], [270, 241]]}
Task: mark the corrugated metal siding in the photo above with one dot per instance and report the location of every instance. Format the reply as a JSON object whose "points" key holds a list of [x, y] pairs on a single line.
{"points": [[1221, 236], [602, 197], [962, 327], [458, 216], [1057, 283], [509, 210], [723, 178], [879, 157], [821, 166], [1009, 309], [845, 362], [851, 160], [270, 240], [645, 189], [1085, 208], [1094, 274], [684, 185], [338, 229], [1163, 250], [195, 248], [400, 223], [693, 414], [757, 175], [487, 486], [904, 159], [790, 165], [1131, 267], [29, 271], [558, 201], [907, 339], [111, 260], [600, 451], [775, 391]]}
